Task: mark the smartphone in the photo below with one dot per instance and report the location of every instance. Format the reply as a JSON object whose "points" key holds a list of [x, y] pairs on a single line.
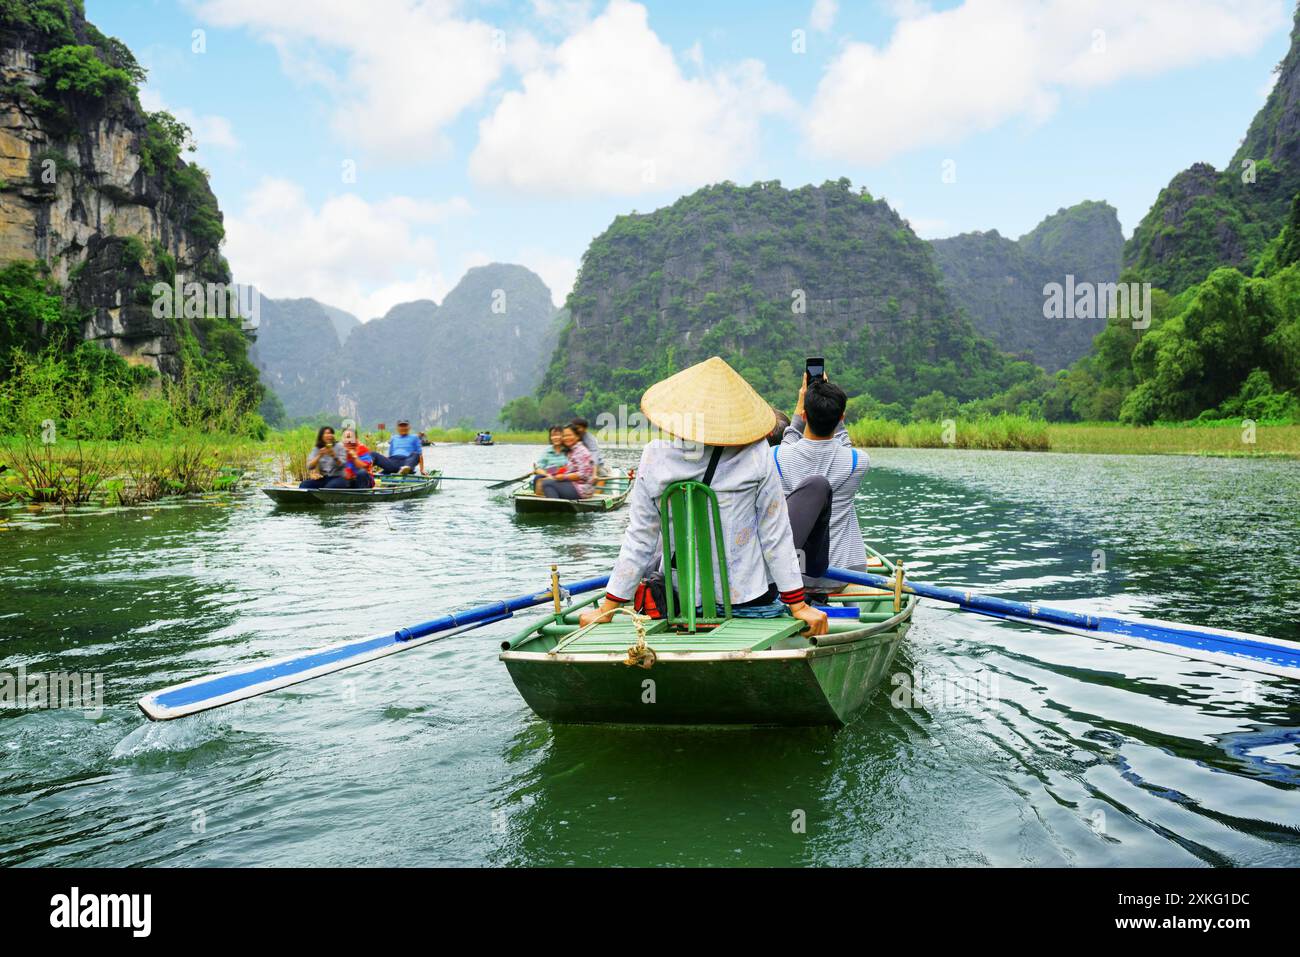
{"points": [[816, 369]]}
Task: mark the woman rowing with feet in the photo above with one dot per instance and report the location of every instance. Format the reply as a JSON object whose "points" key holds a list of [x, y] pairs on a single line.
{"points": [[717, 428]]}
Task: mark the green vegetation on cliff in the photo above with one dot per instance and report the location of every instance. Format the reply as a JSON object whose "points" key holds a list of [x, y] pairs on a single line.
{"points": [[999, 282], [1205, 219], [764, 276], [186, 371]]}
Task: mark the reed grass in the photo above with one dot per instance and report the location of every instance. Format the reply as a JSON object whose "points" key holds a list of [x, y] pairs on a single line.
{"points": [[46, 476], [1190, 438], [1005, 432], [118, 473], [1017, 433]]}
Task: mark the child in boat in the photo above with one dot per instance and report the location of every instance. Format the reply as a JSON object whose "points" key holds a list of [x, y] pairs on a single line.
{"points": [[579, 471], [555, 461], [357, 468]]}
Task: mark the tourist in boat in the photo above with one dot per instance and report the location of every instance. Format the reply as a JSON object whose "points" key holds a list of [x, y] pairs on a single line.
{"points": [[325, 461], [405, 453], [717, 428], [820, 472], [579, 426], [575, 481], [778, 431], [357, 468], [555, 461]]}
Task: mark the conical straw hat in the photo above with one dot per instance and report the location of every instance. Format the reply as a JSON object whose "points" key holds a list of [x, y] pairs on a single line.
{"points": [[709, 403]]}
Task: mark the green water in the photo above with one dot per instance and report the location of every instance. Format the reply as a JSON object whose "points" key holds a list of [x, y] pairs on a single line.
{"points": [[1023, 748]]}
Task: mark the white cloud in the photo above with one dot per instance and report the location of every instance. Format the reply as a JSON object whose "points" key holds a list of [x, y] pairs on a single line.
{"points": [[614, 114], [946, 75], [823, 14], [410, 67], [210, 130], [566, 15], [361, 256]]}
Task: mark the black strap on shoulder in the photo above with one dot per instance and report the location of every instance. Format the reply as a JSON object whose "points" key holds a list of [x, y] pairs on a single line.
{"points": [[713, 465]]}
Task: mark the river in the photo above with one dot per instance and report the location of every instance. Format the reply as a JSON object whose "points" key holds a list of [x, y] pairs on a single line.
{"points": [[993, 744]]}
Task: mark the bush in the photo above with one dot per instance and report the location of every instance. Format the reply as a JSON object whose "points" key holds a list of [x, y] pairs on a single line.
{"points": [[80, 70]]}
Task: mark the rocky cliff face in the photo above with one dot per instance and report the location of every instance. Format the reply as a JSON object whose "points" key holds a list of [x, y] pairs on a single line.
{"points": [[999, 281], [764, 276], [440, 365], [1205, 218], [300, 354], [92, 186]]}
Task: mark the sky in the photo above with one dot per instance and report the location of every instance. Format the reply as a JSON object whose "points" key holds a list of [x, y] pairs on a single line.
{"points": [[369, 152]]}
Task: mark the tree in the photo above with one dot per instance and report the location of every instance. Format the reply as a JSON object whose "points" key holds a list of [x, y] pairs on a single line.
{"points": [[554, 408], [522, 414]]}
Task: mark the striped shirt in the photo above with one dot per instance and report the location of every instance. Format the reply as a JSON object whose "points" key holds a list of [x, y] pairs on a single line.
{"points": [[797, 458], [759, 544]]}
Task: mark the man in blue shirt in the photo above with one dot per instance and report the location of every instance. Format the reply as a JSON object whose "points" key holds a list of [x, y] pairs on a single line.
{"points": [[405, 454]]}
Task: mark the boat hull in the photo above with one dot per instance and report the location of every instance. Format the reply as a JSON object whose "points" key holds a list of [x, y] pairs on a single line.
{"points": [[526, 503], [814, 686], [390, 489]]}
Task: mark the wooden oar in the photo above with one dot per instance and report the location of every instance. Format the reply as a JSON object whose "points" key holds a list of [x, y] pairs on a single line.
{"points": [[250, 681], [513, 481], [500, 483], [1273, 656]]}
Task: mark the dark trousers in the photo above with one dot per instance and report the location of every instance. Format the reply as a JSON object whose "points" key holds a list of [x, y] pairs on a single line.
{"points": [[809, 506], [362, 480], [393, 466], [554, 488]]}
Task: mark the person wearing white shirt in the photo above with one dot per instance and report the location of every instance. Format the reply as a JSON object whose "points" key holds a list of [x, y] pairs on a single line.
{"points": [[717, 426]]}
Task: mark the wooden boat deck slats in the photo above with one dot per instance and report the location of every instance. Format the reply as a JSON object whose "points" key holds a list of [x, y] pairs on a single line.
{"points": [[737, 634]]}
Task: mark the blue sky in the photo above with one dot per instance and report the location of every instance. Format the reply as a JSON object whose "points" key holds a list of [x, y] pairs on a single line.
{"points": [[368, 153]]}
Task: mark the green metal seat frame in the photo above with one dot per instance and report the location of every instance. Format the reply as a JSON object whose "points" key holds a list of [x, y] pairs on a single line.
{"points": [[691, 523]]}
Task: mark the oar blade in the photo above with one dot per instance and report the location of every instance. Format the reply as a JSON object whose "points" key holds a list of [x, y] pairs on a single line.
{"points": [[1237, 649], [1275, 656], [250, 681], [240, 684], [507, 482]]}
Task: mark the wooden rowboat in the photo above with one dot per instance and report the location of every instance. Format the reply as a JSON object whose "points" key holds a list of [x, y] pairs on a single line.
{"points": [[744, 671], [709, 667], [388, 488], [611, 496]]}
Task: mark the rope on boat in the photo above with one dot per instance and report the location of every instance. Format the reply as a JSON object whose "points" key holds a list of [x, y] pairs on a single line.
{"points": [[640, 654]]}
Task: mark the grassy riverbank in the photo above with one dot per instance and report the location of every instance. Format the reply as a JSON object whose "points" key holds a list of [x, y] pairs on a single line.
{"points": [[1186, 438], [1017, 433], [68, 473]]}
